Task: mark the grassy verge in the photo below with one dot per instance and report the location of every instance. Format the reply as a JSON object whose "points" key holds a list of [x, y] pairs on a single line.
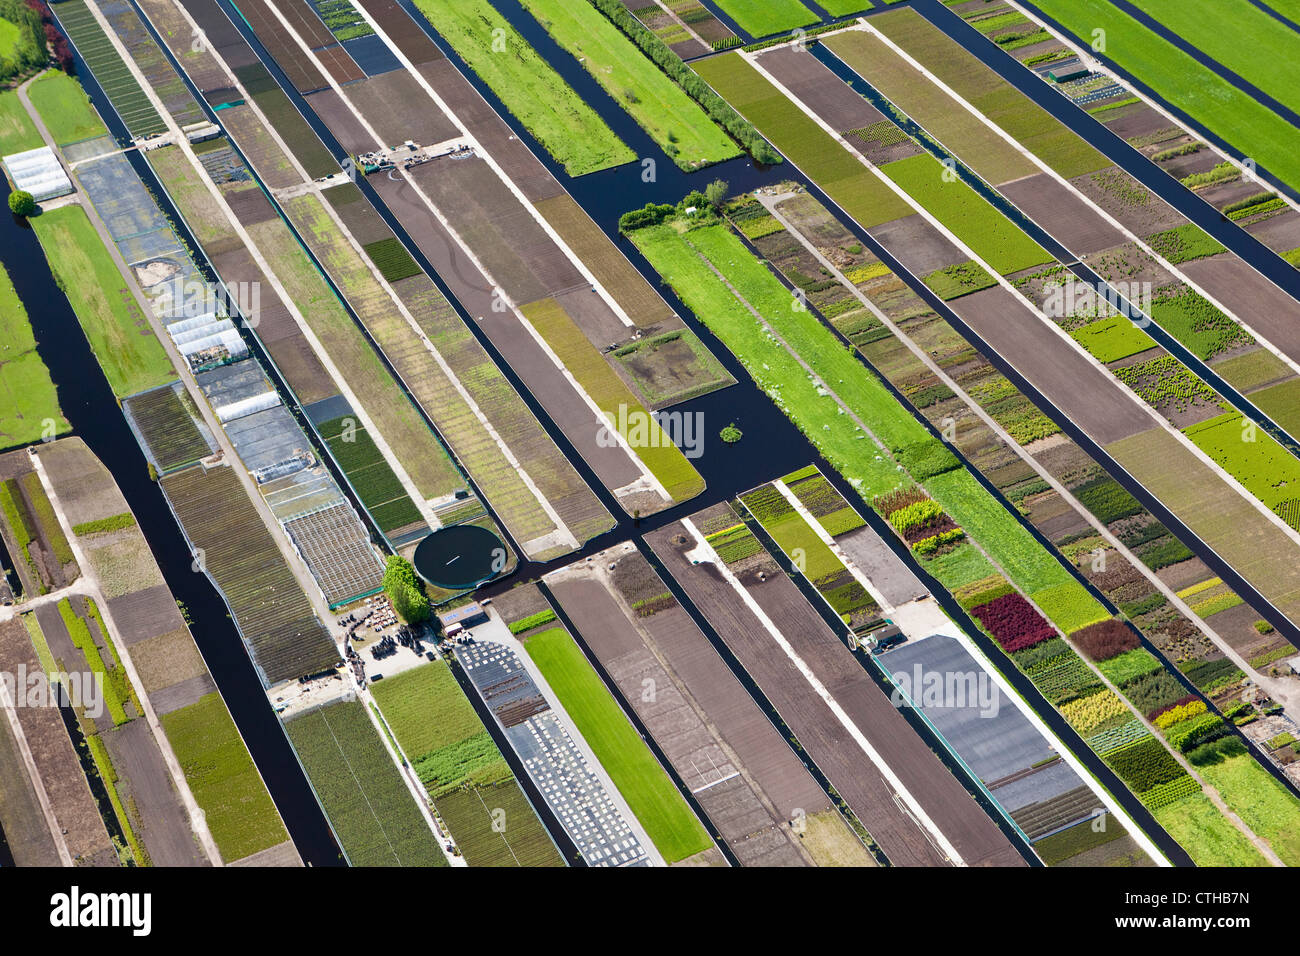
{"points": [[65, 109], [549, 108], [666, 817], [659, 105], [118, 330], [29, 403]]}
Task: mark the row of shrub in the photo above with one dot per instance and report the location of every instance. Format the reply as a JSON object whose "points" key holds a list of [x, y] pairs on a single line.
{"points": [[663, 57]]}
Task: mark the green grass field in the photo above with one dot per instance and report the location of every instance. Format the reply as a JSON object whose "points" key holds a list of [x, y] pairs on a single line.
{"points": [[456, 759], [223, 779], [660, 106], [17, 131], [1251, 128], [361, 789], [65, 108], [1109, 340], [759, 18], [29, 402], [970, 217], [1207, 836], [668, 820], [132, 357], [853, 187], [438, 729], [549, 108], [1241, 37], [1265, 805], [842, 8], [1269, 471]]}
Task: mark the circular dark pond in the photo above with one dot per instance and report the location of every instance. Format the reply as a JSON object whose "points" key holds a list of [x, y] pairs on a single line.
{"points": [[460, 558]]}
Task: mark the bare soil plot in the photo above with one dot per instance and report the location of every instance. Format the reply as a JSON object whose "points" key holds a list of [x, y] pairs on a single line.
{"points": [[280, 43], [804, 76], [399, 109], [55, 759], [718, 785], [477, 116], [1065, 377], [250, 206], [199, 65], [643, 305], [1129, 201], [1256, 301], [401, 29], [505, 237], [1280, 233], [1064, 215], [297, 66], [25, 827], [917, 245], [535, 369], [334, 112], [848, 769], [144, 786]]}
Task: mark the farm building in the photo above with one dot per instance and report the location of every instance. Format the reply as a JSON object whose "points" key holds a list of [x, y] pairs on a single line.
{"points": [[466, 616], [38, 172]]}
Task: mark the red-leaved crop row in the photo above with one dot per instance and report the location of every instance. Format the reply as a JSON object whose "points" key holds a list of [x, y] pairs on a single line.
{"points": [[1013, 622]]}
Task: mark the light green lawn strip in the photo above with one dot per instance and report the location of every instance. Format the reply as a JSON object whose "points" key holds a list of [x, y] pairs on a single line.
{"points": [[28, 399], [223, 779], [1269, 471], [760, 18], [853, 187], [1265, 805], [974, 220], [842, 8], [1253, 129], [1206, 834], [1279, 402], [649, 792], [65, 109], [610, 393], [660, 106], [536, 94], [118, 329], [17, 131], [1109, 340]]}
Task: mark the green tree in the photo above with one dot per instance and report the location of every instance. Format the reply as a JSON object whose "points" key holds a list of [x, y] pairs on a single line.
{"points": [[21, 203], [405, 590], [716, 193]]}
